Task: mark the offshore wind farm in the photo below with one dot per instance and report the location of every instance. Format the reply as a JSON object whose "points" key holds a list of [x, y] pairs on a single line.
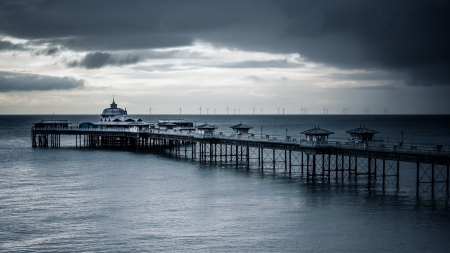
{"points": [[278, 111]]}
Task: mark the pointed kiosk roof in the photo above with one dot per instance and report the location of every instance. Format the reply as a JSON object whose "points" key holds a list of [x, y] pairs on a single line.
{"points": [[206, 126], [317, 131], [362, 130], [241, 126]]}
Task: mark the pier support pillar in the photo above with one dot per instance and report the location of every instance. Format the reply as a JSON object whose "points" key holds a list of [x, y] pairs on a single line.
{"points": [[432, 179], [262, 158], [314, 167], [384, 172], [417, 177], [290, 161], [247, 155], [369, 169], [273, 159], [447, 180]]}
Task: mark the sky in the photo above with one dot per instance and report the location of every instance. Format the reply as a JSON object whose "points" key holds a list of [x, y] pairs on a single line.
{"points": [[250, 56]]}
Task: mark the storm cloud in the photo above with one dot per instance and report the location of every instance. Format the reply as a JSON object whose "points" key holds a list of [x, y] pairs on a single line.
{"points": [[7, 45], [100, 59], [12, 81], [404, 36], [49, 51]]}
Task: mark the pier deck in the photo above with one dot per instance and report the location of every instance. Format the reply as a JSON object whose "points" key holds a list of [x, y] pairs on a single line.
{"points": [[332, 159]]}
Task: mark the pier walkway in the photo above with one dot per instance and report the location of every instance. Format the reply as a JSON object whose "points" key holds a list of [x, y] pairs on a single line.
{"points": [[378, 162]]}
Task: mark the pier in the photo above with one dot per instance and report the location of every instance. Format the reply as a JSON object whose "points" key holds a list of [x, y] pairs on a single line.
{"points": [[319, 160]]}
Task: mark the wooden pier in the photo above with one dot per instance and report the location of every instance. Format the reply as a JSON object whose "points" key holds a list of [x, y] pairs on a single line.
{"points": [[317, 160]]}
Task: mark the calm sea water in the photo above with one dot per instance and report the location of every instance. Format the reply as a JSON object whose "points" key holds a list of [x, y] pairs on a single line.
{"points": [[70, 200]]}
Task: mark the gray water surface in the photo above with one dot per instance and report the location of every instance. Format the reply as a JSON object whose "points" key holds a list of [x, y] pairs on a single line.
{"points": [[71, 200]]}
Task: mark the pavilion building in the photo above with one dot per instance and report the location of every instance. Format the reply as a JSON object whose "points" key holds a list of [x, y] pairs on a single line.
{"points": [[117, 118], [206, 129], [317, 134], [175, 125], [113, 111], [362, 134], [241, 128]]}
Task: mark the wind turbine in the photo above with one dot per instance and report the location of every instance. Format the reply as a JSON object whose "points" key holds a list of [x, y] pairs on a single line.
{"points": [[385, 111], [278, 110], [253, 110], [215, 111], [207, 110], [200, 109], [179, 109], [227, 109], [366, 110], [150, 110], [283, 110], [234, 110], [261, 110]]}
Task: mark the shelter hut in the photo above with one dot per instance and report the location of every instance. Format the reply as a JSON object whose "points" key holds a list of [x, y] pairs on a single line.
{"points": [[317, 134], [241, 128], [206, 129], [166, 125], [59, 123], [175, 124], [362, 134]]}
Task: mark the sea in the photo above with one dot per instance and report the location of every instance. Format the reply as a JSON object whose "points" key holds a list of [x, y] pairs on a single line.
{"points": [[93, 200]]}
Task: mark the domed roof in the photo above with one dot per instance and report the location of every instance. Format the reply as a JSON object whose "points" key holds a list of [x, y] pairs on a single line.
{"points": [[113, 111], [110, 112]]}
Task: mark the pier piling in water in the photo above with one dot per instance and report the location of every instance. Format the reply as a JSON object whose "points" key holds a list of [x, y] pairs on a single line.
{"points": [[320, 160]]}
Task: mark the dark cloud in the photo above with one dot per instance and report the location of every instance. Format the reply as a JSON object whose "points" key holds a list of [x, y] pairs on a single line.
{"points": [[12, 81], [404, 36], [49, 51], [401, 36], [7, 45], [100, 59]]}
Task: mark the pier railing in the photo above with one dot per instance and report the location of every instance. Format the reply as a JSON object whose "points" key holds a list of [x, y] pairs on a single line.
{"points": [[378, 145]]}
